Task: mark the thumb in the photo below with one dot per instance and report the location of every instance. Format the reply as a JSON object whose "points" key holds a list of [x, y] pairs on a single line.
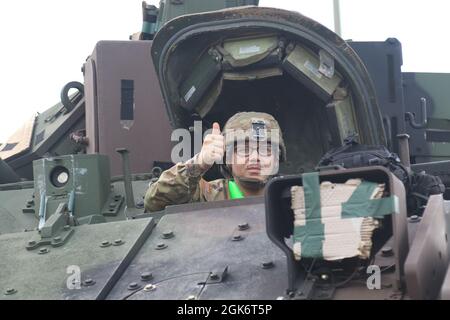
{"points": [[216, 128]]}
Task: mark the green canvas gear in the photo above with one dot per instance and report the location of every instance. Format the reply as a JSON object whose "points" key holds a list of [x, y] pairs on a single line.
{"points": [[235, 192]]}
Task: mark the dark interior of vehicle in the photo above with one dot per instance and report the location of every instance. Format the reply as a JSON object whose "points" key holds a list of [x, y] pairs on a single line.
{"points": [[301, 115], [277, 80]]}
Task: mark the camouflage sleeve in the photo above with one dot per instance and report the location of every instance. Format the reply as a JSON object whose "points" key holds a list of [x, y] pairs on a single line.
{"points": [[178, 185]]}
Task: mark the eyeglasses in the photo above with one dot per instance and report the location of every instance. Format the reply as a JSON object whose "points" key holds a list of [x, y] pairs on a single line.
{"points": [[245, 150]]}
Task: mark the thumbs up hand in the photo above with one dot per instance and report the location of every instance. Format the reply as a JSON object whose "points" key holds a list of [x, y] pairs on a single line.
{"points": [[213, 148]]}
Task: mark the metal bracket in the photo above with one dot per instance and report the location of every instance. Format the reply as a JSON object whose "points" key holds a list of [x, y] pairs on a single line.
{"points": [[56, 230], [411, 118], [113, 205], [30, 207], [217, 277], [311, 291]]}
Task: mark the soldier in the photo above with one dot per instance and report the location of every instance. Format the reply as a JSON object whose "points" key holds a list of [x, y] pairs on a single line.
{"points": [[252, 145]]}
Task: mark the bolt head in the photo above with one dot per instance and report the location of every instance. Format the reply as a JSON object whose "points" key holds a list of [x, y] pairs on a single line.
{"points": [[168, 235], [89, 282], [244, 226], [118, 242], [387, 252], [57, 239], [66, 227], [10, 291], [43, 251], [146, 276], [237, 238], [149, 287], [268, 265], [105, 244], [31, 243], [133, 286], [161, 246]]}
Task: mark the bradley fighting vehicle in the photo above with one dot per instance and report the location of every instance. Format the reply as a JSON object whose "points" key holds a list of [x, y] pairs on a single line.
{"points": [[72, 181]]}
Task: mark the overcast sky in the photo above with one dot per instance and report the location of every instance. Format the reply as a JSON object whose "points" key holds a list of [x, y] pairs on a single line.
{"points": [[45, 42]]}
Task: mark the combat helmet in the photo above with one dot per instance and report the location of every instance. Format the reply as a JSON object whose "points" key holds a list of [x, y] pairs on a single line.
{"points": [[249, 126]]}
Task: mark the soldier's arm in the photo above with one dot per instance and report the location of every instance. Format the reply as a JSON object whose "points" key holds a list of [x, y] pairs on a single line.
{"points": [[178, 185]]}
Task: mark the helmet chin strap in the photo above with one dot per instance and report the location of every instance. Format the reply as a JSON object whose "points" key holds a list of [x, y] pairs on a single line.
{"points": [[252, 184]]}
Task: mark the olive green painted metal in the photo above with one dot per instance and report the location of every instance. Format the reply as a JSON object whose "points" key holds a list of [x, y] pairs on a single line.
{"points": [[434, 144], [171, 9], [73, 231], [50, 136], [46, 273], [17, 210], [80, 181], [7, 175]]}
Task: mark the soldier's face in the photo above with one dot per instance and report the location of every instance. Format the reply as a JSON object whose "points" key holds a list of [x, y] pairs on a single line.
{"points": [[254, 160]]}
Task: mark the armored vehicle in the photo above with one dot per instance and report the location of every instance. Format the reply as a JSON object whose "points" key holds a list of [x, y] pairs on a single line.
{"points": [[73, 179]]}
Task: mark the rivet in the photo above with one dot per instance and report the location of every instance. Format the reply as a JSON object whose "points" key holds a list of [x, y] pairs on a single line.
{"points": [[237, 238], [118, 242], [146, 276], [387, 252], [268, 265], [244, 226], [161, 246], [150, 287], [105, 244], [44, 251], [133, 286], [89, 282], [10, 291], [168, 235]]}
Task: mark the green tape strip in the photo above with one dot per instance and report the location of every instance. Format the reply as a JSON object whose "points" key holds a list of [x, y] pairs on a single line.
{"points": [[312, 235], [235, 192], [149, 27], [360, 206]]}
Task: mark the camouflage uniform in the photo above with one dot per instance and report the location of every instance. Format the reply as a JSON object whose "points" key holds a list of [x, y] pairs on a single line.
{"points": [[183, 183]]}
